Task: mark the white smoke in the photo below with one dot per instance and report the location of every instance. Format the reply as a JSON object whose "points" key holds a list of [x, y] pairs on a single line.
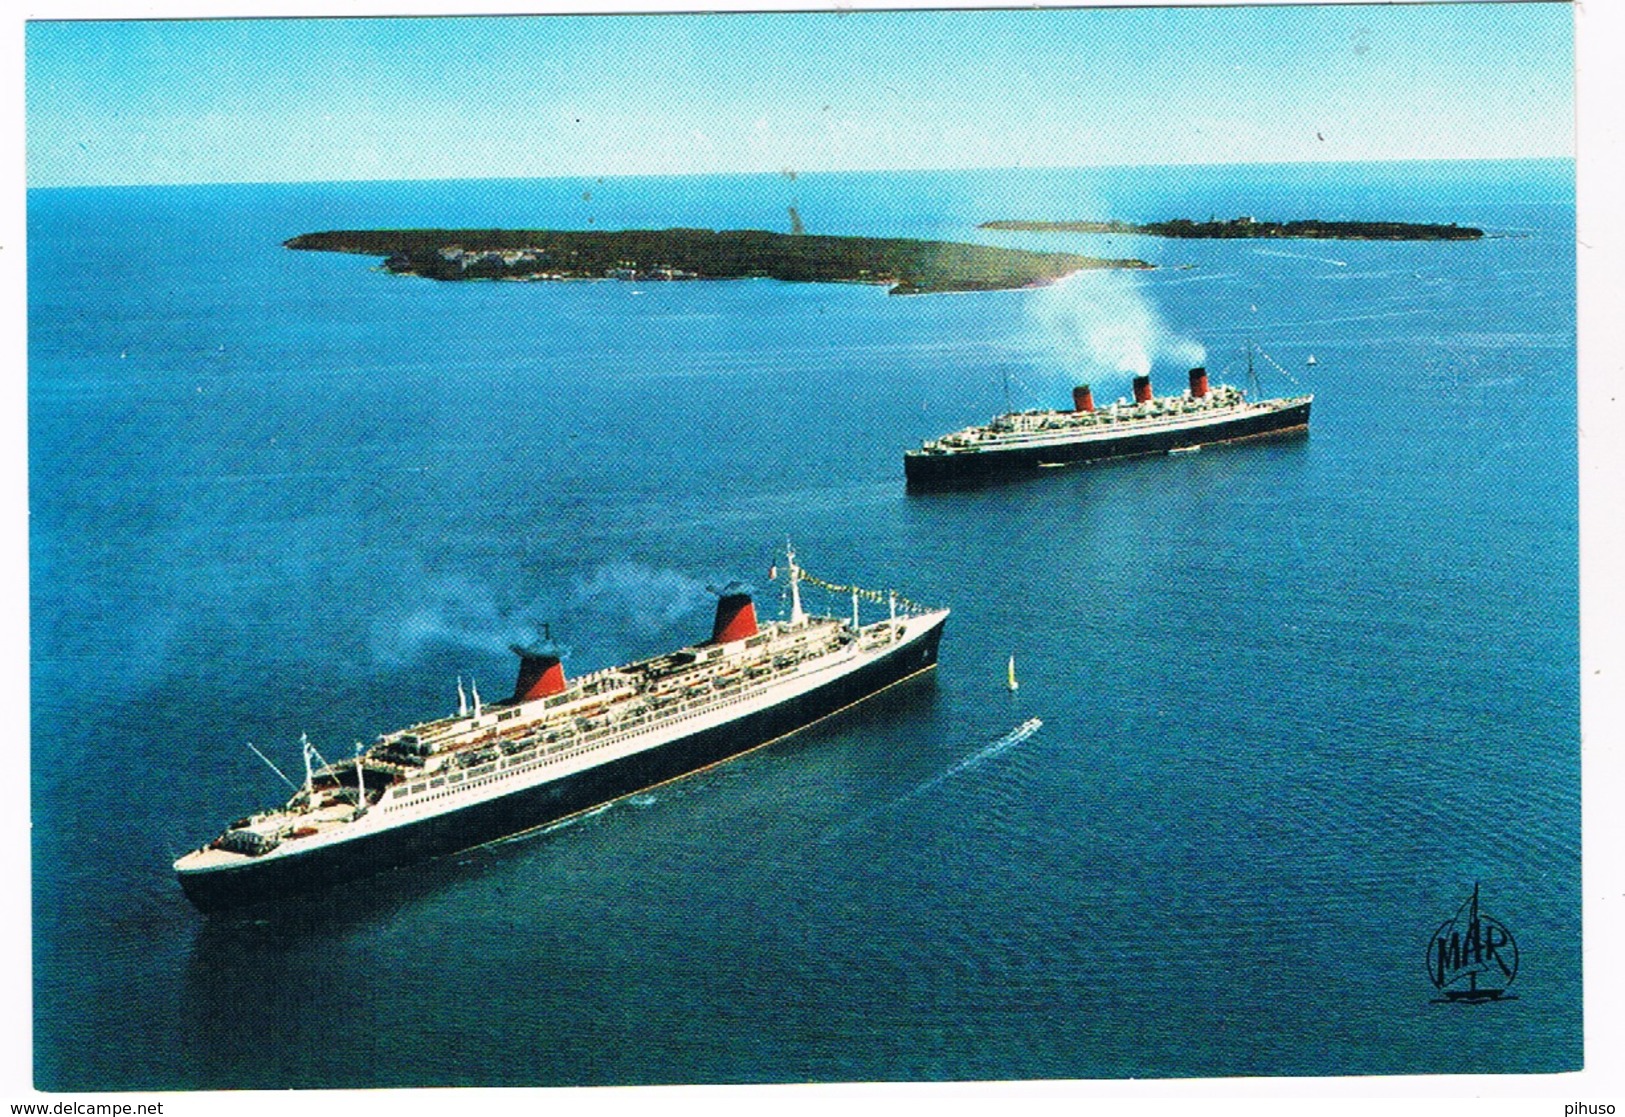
{"points": [[1100, 327], [447, 611], [632, 595], [452, 612]]}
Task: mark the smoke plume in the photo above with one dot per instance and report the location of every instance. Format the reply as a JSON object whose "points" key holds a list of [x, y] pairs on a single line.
{"points": [[632, 595], [1100, 327], [449, 612], [452, 612]]}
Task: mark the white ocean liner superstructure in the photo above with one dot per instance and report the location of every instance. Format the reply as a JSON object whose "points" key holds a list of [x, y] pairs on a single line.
{"points": [[1023, 442], [558, 747]]}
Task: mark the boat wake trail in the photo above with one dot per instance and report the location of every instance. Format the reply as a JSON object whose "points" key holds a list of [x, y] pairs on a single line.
{"points": [[550, 828], [1300, 256], [1017, 735]]}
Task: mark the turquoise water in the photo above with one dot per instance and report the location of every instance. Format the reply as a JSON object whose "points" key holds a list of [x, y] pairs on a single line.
{"points": [[1297, 696]]}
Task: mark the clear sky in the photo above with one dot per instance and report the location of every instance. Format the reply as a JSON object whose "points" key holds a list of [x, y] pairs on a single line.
{"points": [[300, 100]]}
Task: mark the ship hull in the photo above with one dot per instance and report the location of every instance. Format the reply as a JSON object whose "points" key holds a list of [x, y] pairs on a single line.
{"points": [[258, 881], [953, 470]]}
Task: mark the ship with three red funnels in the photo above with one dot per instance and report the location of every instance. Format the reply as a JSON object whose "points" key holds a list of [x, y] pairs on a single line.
{"points": [[559, 747], [1023, 442]]}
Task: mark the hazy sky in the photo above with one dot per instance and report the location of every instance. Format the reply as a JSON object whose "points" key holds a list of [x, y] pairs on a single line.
{"points": [[290, 100]]}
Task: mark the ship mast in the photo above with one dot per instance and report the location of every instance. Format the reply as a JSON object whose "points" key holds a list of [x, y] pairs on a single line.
{"points": [[273, 767], [360, 784], [796, 615]]}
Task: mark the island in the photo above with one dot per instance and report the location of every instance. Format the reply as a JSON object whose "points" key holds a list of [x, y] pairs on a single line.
{"points": [[1248, 227], [904, 266]]}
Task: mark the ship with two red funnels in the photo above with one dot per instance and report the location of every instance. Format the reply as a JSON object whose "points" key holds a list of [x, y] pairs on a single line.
{"points": [[1024, 442], [559, 747]]}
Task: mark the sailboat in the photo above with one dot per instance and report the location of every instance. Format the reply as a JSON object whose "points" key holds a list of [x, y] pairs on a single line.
{"points": [[1011, 670]]}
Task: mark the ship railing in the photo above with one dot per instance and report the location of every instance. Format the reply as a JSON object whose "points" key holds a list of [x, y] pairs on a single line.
{"points": [[584, 743], [683, 712], [576, 743], [599, 738], [1062, 434]]}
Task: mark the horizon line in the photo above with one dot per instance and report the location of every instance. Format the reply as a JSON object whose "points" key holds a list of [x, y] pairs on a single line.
{"points": [[793, 174]]}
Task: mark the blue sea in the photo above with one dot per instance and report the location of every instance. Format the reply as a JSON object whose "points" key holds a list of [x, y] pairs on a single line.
{"points": [[1298, 697]]}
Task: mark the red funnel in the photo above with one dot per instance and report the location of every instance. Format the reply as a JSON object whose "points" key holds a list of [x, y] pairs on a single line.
{"points": [[540, 675], [736, 618]]}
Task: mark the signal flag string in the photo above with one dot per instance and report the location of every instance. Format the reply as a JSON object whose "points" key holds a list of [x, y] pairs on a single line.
{"points": [[876, 596]]}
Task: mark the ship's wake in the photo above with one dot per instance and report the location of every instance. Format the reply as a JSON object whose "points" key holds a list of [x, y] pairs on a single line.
{"points": [[546, 828], [1300, 256], [1011, 739]]}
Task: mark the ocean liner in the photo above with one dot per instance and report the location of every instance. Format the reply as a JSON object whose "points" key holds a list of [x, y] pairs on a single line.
{"points": [[1025, 441], [558, 746]]}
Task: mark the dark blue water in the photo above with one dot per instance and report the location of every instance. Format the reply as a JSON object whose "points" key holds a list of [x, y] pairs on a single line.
{"points": [[1297, 696]]}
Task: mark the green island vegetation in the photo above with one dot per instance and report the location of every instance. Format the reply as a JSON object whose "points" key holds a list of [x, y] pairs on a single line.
{"points": [[905, 266], [1247, 227]]}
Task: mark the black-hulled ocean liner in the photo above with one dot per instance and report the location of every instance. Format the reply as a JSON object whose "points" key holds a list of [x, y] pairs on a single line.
{"points": [[558, 747], [1026, 441]]}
